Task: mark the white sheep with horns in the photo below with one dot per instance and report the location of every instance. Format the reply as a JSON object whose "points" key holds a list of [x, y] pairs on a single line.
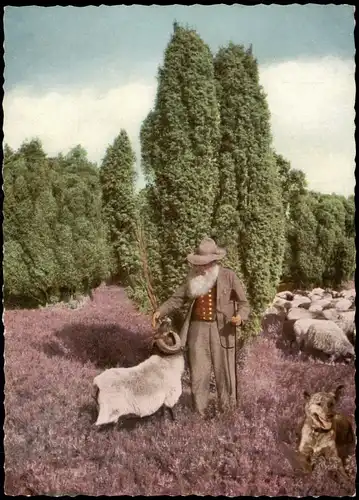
{"points": [[143, 389], [323, 335]]}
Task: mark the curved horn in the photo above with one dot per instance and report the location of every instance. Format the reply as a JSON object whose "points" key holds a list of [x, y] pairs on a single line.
{"points": [[167, 349]]}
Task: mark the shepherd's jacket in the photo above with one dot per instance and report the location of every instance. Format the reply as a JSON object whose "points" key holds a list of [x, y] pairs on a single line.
{"points": [[231, 299]]}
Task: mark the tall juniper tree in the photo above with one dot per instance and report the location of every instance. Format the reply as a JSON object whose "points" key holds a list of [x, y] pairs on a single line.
{"points": [[294, 186], [30, 213], [17, 215], [306, 264], [249, 208], [82, 213], [179, 144], [119, 204]]}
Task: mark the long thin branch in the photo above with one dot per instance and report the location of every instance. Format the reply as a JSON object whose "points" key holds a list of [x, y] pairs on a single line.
{"points": [[143, 252]]}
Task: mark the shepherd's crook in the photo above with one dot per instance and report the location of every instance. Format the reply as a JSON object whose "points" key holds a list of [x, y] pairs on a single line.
{"points": [[235, 352]]}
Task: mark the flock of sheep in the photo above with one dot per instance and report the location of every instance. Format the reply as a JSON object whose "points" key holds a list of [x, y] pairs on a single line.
{"points": [[318, 321]]}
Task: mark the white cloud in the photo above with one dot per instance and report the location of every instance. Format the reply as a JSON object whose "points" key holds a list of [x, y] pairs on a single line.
{"points": [[312, 108], [90, 117], [311, 102]]}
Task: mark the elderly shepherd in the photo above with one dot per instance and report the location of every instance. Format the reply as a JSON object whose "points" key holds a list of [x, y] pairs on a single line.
{"points": [[217, 305]]}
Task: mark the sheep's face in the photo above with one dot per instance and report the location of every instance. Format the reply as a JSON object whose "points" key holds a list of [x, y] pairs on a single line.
{"points": [[320, 408]]}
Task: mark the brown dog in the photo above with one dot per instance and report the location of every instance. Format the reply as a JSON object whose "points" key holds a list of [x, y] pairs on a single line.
{"points": [[325, 432]]}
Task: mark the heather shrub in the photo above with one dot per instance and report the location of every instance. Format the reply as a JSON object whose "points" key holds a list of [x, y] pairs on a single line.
{"points": [[53, 448]]}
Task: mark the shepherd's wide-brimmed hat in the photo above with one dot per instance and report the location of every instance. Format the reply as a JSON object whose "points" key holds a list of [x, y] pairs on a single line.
{"points": [[207, 252]]}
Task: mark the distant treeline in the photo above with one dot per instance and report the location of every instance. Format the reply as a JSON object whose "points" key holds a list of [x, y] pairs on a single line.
{"points": [[55, 242], [210, 169]]}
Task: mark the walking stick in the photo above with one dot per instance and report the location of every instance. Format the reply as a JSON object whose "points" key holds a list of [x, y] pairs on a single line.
{"points": [[235, 353], [235, 312]]}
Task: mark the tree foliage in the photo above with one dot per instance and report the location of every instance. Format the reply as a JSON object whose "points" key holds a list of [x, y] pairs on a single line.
{"points": [[30, 213], [53, 232], [149, 224], [294, 186], [210, 170], [259, 207], [119, 205], [249, 211], [336, 252], [179, 140], [81, 204], [321, 246], [305, 261], [293, 183]]}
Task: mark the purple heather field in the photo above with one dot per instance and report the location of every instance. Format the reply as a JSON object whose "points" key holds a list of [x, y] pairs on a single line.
{"points": [[52, 446]]}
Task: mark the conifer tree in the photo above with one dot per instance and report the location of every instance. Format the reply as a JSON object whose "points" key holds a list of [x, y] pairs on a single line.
{"points": [[179, 143], [294, 185], [306, 263], [119, 205], [346, 249], [321, 245], [17, 205], [149, 204], [30, 213], [54, 239], [81, 211], [151, 243], [252, 200], [349, 206], [336, 250]]}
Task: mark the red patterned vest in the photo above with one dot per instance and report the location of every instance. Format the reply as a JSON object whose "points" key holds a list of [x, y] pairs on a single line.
{"points": [[204, 308]]}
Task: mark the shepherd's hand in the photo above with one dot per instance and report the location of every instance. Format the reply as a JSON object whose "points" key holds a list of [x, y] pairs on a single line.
{"points": [[155, 317], [236, 320]]}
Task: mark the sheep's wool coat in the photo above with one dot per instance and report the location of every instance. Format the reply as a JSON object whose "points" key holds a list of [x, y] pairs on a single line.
{"points": [[343, 305], [139, 390], [300, 299], [298, 313], [323, 335]]}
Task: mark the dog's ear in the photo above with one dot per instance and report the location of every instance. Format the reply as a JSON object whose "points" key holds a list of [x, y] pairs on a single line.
{"points": [[338, 392], [306, 395]]}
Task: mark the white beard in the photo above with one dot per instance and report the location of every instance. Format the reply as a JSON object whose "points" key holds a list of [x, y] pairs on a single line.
{"points": [[201, 284]]}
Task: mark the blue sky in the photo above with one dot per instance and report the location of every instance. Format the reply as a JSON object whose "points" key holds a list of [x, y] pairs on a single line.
{"points": [[65, 66]]}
